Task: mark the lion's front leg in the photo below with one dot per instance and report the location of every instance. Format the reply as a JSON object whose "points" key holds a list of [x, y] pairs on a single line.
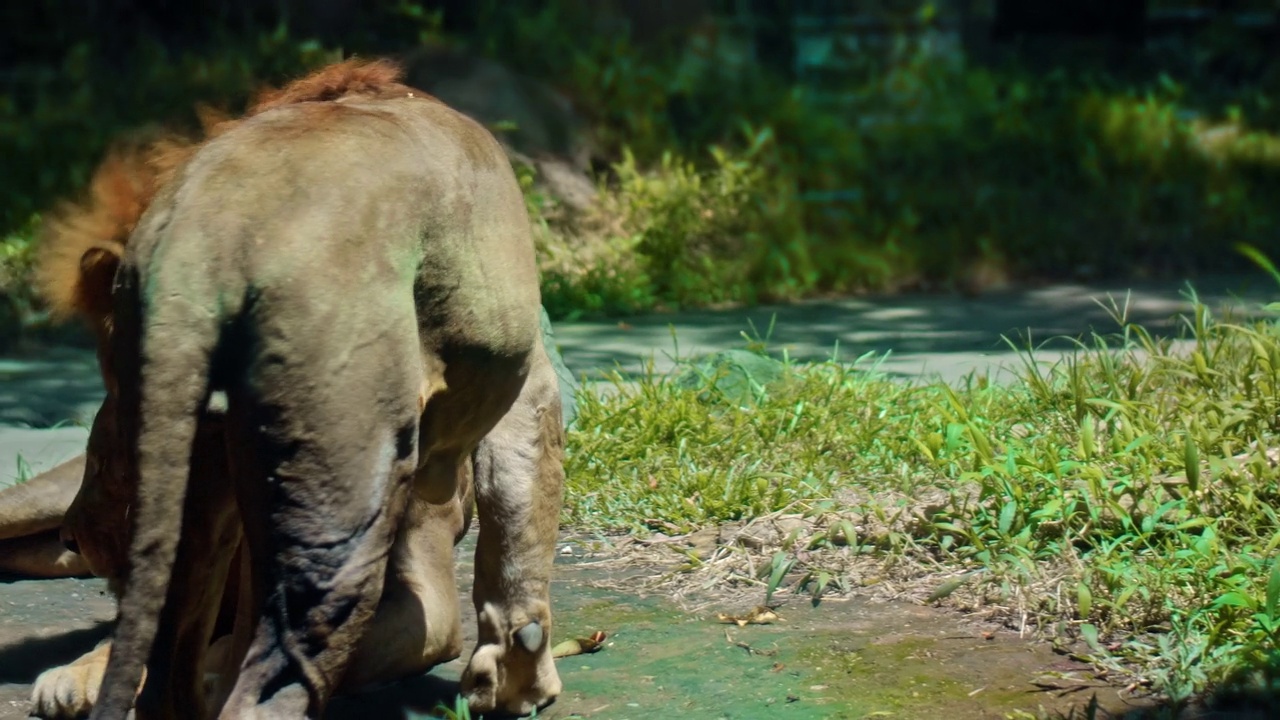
{"points": [[69, 691], [519, 474]]}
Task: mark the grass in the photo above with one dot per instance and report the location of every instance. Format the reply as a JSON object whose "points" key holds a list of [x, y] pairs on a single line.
{"points": [[1123, 499], [22, 470]]}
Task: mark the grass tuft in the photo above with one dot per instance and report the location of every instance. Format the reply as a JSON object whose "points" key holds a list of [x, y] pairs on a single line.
{"points": [[1123, 498]]}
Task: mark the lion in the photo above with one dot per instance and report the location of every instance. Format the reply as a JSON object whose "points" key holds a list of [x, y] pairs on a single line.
{"points": [[30, 520], [320, 337], [95, 533]]}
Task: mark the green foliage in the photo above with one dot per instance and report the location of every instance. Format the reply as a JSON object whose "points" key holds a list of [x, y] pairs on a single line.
{"points": [[727, 185], [55, 124], [671, 236], [918, 174], [17, 261], [17, 304], [460, 710], [1125, 495]]}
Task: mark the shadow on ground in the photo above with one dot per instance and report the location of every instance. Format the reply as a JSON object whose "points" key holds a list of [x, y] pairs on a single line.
{"points": [[939, 334], [21, 663], [48, 386]]}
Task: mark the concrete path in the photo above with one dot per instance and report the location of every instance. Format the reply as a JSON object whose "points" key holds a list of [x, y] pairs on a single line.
{"points": [[941, 336]]}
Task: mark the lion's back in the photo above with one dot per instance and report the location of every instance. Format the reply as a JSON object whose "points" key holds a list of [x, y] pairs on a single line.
{"points": [[359, 194]]}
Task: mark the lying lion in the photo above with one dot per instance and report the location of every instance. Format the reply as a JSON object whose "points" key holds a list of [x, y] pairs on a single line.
{"points": [[30, 520], [322, 325]]}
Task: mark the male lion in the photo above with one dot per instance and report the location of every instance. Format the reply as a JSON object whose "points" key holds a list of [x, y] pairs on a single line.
{"points": [[351, 268]]}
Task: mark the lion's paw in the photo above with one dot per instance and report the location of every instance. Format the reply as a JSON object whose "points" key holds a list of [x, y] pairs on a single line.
{"points": [[511, 670], [71, 690]]}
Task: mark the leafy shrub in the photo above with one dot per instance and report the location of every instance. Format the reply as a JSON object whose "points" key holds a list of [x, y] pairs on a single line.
{"points": [[727, 185], [670, 236], [929, 175]]}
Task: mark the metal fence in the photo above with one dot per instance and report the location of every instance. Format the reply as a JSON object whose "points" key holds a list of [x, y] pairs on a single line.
{"points": [[832, 36]]}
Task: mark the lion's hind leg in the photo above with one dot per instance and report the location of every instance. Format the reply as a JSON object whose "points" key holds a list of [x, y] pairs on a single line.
{"points": [[210, 537], [519, 475], [30, 516], [41, 556], [335, 449]]}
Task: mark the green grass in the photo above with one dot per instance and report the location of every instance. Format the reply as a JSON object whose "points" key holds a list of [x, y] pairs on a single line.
{"points": [[22, 468], [1124, 496]]}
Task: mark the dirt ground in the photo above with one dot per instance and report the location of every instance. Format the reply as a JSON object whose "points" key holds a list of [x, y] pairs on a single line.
{"points": [[842, 659]]}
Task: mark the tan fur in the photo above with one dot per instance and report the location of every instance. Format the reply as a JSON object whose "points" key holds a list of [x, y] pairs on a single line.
{"points": [[30, 515], [39, 503], [464, 401], [40, 555], [127, 179]]}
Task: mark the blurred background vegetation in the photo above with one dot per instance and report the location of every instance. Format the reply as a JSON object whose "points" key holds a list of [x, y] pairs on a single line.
{"points": [[700, 152]]}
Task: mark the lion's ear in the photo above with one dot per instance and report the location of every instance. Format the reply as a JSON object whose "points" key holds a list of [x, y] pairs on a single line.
{"points": [[97, 277]]}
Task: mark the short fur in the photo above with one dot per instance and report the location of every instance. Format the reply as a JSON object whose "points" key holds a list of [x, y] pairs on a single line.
{"points": [[30, 517], [32, 531], [415, 628], [228, 281], [127, 179]]}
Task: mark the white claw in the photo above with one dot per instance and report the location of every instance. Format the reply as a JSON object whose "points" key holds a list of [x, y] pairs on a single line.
{"points": [[530, 636]]}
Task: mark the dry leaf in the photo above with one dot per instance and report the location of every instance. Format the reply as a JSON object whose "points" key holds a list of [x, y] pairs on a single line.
{"points": [[760, 615], [579, 646]]}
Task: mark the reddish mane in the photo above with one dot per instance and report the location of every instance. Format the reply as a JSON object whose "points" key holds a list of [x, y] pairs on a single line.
{"points": [[120, 190], [377, 78]]}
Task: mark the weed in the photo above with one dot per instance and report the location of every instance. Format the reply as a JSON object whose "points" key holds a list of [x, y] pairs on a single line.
{"points": [[23, 468]]}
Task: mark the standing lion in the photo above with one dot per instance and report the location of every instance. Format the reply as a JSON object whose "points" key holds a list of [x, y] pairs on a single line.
{"points": [[340, 290]]}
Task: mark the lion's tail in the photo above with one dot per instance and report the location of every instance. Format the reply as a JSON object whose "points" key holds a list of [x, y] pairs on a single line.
{"points": [[178, 336]]}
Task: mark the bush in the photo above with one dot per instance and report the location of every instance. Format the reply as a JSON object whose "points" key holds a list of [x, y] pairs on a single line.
{"points": [[725, 185], [931, 176]]}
